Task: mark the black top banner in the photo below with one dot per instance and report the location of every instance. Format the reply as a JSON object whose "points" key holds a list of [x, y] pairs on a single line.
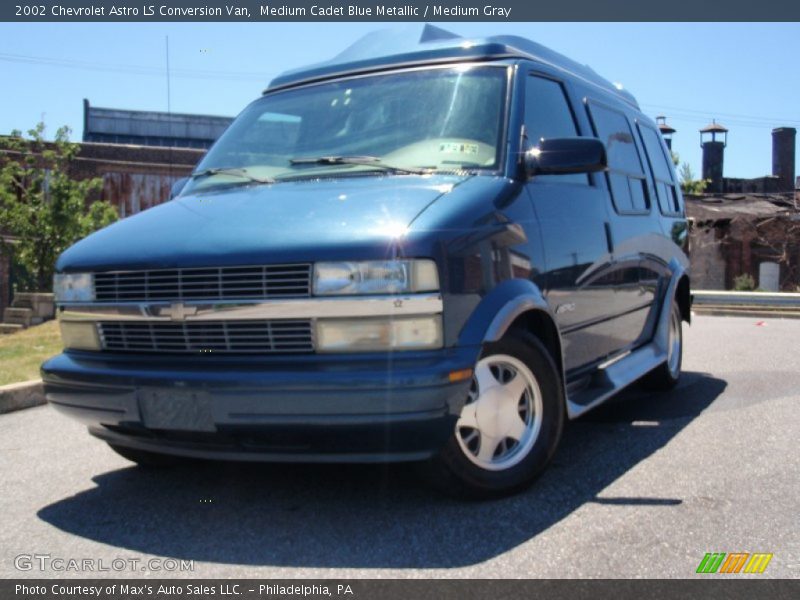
{"points": [[402, 10]]}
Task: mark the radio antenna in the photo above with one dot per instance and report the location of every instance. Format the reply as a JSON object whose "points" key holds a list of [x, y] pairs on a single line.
{"points": [[169, 117], [169, 98]]}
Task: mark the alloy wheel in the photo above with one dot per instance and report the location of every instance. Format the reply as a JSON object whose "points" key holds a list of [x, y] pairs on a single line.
{"points": [[502, 418]]}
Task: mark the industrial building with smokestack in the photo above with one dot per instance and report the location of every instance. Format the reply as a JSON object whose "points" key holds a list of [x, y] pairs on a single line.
{"points": [[714, 139], [745, 233]]}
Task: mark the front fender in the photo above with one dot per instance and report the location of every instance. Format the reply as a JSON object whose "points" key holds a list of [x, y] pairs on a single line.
{"points": [[499, 308], [513, 300]]}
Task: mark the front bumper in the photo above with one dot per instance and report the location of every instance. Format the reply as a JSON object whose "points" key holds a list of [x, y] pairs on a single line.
{"points": [[357, 408]]}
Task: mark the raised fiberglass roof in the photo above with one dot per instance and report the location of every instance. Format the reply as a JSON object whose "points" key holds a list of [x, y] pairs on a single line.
{"points": [[421, 44]]}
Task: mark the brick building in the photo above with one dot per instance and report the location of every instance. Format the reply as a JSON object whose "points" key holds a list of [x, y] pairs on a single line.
{"points": [[738, 234], [746, 226], [134, 177]]}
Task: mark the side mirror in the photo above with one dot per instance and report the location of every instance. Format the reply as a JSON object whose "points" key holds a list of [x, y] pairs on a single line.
{"points": [[177, 187], [559, 156]]}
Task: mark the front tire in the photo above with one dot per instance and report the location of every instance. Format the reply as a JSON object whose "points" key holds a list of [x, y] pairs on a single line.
{"points": [[510, 426]]}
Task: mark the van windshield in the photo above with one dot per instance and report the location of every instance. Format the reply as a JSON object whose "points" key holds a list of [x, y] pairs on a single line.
{"points": [[439, 119]]}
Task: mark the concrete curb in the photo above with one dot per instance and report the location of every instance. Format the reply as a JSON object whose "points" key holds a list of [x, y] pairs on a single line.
{"points": [[16, 396]]}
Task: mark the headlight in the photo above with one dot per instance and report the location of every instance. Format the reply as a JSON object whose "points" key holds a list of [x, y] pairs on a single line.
{"points": [[371, 335], [375, 277], [78, 335], [73, 287]]}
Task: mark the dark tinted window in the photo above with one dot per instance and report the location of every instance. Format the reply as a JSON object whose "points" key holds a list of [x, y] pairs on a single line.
{"points": [[547, 116], [625, 172], [666, 190]]}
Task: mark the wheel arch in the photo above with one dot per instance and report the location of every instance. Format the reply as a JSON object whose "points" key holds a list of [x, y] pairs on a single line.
{"points": [[516, 304], [676, 294], [541, 325]]}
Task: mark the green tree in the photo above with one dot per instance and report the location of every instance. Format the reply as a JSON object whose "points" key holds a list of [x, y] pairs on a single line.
{"points": [[41, 205], [690, 185]]}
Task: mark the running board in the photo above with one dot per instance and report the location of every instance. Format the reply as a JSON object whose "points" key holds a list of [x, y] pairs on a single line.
{"points": [[613, 377]]}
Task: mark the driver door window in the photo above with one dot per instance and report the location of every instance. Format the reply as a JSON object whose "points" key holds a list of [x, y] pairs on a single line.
{"points": [[548, 115]]}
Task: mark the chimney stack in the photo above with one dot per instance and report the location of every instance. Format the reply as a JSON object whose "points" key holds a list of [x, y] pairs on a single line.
{"points": [[666, 130], [783, 142], [713, 155]]}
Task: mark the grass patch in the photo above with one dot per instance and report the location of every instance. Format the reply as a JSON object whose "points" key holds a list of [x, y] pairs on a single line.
{"points": [[21, 353]]}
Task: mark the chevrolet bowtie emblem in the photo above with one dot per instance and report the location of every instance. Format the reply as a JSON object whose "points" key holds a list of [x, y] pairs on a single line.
{"points": [[178, 311]]}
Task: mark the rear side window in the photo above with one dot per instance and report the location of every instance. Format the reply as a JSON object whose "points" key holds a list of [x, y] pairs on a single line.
{"points": [[625, 174], [547, 116], [666, 191]]}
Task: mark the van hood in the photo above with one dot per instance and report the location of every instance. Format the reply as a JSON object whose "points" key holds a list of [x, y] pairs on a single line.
{"points": [[302, 221]]}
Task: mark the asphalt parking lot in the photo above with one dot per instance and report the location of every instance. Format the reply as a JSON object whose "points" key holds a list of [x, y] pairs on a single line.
{"points": [[642, 487]]}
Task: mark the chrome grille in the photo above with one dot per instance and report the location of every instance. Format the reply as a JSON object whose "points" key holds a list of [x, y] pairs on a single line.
{"points": [[232, 337], [213, 283]]}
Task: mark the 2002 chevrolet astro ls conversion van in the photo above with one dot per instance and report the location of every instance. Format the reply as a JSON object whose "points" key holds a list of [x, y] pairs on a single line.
{"points": [[434, 250]]}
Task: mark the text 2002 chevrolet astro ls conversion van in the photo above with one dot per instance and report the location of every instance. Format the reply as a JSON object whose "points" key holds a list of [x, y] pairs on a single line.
{"points": [[434, 250]]}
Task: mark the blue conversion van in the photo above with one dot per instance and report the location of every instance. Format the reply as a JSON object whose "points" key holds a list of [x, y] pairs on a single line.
{"points": [[434, 249]]}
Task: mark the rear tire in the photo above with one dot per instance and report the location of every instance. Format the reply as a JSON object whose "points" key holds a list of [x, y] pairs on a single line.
{"points": [[149, 460], [666, 376], [510, 426]]}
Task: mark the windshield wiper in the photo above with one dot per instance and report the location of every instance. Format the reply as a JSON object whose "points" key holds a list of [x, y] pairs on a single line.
{"points": [[367, 161], [235, 171]]}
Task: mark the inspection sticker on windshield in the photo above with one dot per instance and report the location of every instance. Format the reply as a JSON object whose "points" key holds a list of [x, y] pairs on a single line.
{"points": [[456, 148]]}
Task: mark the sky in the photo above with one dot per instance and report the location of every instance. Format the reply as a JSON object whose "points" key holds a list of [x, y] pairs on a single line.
{"points": [[744, 75]]}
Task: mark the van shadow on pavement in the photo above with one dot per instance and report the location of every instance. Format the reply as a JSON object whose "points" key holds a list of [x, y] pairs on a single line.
{"points": [[355, 516]]}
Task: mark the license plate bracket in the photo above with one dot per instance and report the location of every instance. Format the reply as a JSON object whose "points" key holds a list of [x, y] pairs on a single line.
{"points": [[177, 410]]}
